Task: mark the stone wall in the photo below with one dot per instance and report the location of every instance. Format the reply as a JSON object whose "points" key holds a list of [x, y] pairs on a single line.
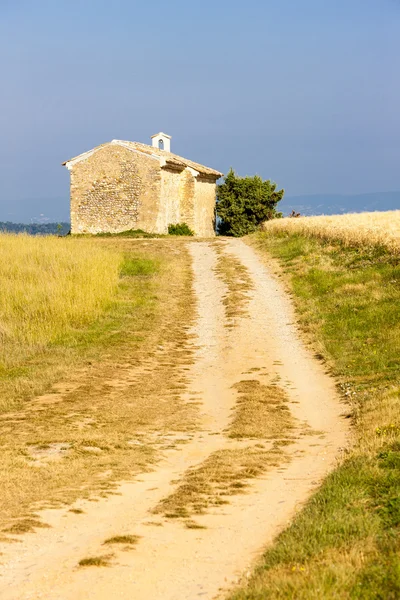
{"points": [[170, 201], [186, 196], [204, 206], [114, 190]]}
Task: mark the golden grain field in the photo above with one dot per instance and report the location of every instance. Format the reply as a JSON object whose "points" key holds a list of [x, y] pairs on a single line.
{"points": [[355, 229], [47, 286]]}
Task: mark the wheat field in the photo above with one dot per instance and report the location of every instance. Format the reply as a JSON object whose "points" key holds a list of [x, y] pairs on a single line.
{"points": [[356, 229], [49, 285]]}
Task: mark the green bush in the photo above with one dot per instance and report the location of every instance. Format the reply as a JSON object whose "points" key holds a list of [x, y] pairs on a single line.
{"points": [[243, 203], [179, 229]]}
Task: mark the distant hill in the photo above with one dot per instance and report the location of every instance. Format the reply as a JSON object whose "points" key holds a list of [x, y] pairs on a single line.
{"points": [[334, 204], [309, 204], [35, 228]]}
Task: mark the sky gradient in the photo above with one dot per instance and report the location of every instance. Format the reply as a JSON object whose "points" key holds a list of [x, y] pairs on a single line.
{"points": [[305, 93]]}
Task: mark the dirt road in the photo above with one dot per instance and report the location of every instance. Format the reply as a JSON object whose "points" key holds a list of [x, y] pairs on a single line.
{"points": [[171, 561]]}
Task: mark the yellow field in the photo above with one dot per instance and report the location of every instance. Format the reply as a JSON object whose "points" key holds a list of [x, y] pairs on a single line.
{"points": [[47, 286], [356, 229]]}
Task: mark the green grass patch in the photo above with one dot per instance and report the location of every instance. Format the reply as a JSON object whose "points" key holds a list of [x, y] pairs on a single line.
{"points": [[136, 267], [130, 233], [346, 542]]}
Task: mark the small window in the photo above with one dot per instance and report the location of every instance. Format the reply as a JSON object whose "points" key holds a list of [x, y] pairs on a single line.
{"points": [[161, 144]]}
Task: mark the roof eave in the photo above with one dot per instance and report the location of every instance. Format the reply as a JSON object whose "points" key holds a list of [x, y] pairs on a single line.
{"points": [[173, 163]]}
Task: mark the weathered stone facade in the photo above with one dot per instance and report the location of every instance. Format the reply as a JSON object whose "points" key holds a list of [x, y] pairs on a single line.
{"points": [[126, 185], [204, 206], [187, 191]]}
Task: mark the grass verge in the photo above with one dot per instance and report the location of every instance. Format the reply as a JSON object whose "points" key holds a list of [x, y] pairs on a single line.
{"points": [[346, 542]]}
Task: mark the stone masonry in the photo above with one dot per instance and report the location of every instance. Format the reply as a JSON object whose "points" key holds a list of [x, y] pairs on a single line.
{"points": [[126, 185]]}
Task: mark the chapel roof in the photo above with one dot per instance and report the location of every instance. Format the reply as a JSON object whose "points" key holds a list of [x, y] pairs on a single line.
{"points": [[170, 159]]}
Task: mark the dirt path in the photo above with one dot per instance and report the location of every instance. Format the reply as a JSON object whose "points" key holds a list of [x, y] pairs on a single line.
{"points": [[171, 562]]}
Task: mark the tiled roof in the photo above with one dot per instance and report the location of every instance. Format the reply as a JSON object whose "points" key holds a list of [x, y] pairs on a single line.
{"points": [[169, 157]]}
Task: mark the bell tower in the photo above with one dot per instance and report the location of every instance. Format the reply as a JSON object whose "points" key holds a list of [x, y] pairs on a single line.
{"points": [[162, 141]]}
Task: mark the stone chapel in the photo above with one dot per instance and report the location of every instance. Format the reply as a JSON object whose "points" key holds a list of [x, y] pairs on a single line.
{"points": [[121, 185]]}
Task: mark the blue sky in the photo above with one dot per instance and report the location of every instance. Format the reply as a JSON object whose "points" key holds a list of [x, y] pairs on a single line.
{"points": [[306, 93]]}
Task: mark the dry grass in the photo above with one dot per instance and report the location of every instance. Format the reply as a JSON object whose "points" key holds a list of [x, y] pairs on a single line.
{"points": [[47, 287], [130, 540], [96, 561], [191, 524], [261, 411], [51, 292], [118, 402], [360, 229], [28, 525], [238, 281], [261, 414], [224, 473]]}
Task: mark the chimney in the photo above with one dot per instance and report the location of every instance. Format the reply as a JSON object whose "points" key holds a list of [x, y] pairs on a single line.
{"points": [[162, 141]]}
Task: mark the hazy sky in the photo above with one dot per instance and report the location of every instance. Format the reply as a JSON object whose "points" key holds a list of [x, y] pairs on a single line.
{"points": [[304, 92]]}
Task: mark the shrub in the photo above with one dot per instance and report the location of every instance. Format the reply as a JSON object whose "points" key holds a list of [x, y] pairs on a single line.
{"points": [[243, 203], [180, 229]]}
